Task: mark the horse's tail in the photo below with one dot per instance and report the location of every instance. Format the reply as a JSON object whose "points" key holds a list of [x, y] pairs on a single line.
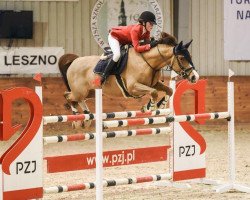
{"points": [[64, 63]]}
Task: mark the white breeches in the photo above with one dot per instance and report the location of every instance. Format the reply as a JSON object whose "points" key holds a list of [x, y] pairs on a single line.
{"points": [[115, 47]]}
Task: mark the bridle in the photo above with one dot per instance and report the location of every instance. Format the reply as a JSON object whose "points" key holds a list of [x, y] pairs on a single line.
{"points": [[184, 73]]}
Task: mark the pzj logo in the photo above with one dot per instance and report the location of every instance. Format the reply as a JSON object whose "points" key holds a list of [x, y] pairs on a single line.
{"points": [[26, 165]]}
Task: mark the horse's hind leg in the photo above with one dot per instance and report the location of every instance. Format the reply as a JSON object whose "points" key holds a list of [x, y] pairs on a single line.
{"points": [[85, 110], [169, 91]]}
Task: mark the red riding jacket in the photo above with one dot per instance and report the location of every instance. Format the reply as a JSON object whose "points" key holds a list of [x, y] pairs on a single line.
{"points": [[131, 34]]}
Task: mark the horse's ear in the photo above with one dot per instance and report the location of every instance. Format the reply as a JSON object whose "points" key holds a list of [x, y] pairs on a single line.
{"points": [[178, 47], [181, 44], [188, 44]]}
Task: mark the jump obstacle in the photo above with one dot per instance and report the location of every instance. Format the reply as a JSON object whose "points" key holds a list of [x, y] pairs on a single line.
{"points": [[7, 181]]}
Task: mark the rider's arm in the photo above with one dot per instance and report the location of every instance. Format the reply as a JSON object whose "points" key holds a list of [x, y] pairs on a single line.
{"points": [[135, 33]]}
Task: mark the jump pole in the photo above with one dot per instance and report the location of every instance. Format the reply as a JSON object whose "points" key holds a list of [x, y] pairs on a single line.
{"points": [[99, 145]]}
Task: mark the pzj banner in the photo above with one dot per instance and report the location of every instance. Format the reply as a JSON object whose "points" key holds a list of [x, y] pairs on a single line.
{"points": [[30, 60], [237, 29]]}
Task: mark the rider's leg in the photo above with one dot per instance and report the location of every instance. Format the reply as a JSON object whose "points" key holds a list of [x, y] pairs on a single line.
{"points": [[115, 47]]}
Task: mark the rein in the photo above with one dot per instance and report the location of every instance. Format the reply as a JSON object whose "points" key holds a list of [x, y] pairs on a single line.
{"points": [[184, 73], [154, 70], [163, 58]]}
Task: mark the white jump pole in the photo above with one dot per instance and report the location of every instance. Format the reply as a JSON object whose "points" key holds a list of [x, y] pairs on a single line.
{"points": [[231, 128], [172, 85], [99, 145], [231, 147]]}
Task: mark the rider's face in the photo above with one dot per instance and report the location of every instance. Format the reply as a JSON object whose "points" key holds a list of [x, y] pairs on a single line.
{"points": [[149, 26]]}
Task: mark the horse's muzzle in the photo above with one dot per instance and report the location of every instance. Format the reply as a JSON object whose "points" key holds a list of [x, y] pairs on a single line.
{"points": [[194, 77]]}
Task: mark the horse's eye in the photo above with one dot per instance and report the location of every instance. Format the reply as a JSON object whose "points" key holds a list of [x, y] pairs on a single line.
{"points": [[182, 59]]}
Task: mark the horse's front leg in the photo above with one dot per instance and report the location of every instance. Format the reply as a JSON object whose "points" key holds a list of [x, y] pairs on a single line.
{"points": [[141, 89], [169, 91]]}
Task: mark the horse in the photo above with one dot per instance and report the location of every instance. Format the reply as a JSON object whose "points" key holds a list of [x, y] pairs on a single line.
{"points": [[140, 76]]}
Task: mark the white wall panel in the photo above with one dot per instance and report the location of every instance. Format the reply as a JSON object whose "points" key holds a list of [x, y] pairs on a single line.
{"points": [[78, 28], [211, 33], [93, 45], [166, 6], [207, 21], [218, 39], [44, 21], [60, 24], [69, 17], [86, 32], [67, 24], [195, 33]]}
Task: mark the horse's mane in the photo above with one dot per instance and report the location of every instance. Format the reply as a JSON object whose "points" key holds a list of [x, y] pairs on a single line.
{"points": [[167, 39]]}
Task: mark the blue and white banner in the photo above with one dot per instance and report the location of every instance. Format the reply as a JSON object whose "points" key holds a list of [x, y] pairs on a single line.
{"points": [[237, 29], [30, 60]]}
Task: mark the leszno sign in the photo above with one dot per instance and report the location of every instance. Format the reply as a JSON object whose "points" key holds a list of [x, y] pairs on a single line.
{"points": [[30, 60]]}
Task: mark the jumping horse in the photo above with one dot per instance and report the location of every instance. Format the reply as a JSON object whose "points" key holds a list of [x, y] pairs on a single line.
{"points": [[140, 76]]}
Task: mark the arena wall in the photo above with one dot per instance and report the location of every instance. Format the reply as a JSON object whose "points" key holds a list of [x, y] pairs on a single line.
{"points": [[53, 89]]}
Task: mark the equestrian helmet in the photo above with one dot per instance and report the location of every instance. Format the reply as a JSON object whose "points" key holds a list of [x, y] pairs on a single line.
{"points": [[147, 16]]}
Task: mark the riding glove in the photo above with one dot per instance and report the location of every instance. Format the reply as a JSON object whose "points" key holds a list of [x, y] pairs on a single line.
{"points": [[153, 43]]}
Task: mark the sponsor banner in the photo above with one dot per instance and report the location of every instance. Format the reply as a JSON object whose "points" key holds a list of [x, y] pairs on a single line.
{"points": [[236, 29], [108, 14], [110, 159], [30, 60]]}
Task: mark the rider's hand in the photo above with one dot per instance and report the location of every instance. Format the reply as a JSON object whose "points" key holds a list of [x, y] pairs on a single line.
{"points": [[153, 43]]}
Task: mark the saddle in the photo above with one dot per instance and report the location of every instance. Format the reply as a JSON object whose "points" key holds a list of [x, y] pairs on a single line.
{"points": [[117, 70], [107, 55]]}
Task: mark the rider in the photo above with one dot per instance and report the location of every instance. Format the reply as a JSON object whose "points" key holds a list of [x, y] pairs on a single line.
{"points": [[131, 34]]}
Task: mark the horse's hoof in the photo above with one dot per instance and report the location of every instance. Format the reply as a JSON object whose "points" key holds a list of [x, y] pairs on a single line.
{"points": [[66, 95], [67, 106], [86, 124], [73, 126], [143, 108], [76, 125], [83, 125], [153, 108]]}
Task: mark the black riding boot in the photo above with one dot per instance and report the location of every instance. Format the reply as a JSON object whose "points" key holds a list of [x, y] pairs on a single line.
{"points": [[107, 70]]}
